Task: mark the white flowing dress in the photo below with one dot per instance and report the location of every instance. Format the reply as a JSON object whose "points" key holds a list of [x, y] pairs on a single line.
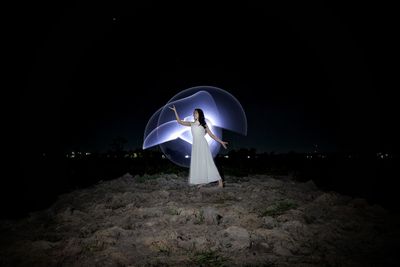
{"points": [[202, 166]]}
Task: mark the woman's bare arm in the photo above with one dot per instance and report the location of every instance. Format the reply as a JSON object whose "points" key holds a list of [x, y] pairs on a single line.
{"points": [[216, 137], [185, 123]]}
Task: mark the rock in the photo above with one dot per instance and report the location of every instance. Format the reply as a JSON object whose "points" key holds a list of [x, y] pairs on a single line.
{"points": [[281, 251], [269, 222], [328, 199], [107, 237], [127, 176], [118, 258], [292, 215], [292, 226], [72, 248], [282, 241], [117, 201], [283, 218], [149, 212], [211, 215], [314, 213], [187, 243], [174, 218], [235, 238], [262, 247], [188, 212], [274, 183], [164, 193], [171, 176], [150, 223], [200, 243], [251, 221], [265, 246], [297, 230], [309, 185]]}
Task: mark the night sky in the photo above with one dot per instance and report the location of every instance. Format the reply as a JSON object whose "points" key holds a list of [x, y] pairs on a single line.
{"points": [[305, 74]]}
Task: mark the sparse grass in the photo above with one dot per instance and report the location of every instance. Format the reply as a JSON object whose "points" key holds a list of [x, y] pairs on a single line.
{"points": [[152, 176], [200, 218], [162, 247], [279, 208], [146, 177], [238, 178], [90, 247], [172, 211], [208, 258], [222, 199]]}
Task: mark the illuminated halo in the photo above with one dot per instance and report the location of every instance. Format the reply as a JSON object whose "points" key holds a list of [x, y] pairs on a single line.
{"points": [[221, 110]]}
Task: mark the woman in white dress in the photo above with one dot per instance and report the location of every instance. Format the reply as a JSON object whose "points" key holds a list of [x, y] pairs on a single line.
{"points": [[202, 167]]}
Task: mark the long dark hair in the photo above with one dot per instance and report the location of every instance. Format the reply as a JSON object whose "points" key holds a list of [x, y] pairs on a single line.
{"points": [[202, 119]]}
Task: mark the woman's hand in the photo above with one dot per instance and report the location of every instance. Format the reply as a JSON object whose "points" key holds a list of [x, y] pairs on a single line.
{"points": [[224, 144], [173, 108]]}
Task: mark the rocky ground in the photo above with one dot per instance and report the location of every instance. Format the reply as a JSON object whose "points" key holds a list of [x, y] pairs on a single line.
{"points": [[160, 220]]}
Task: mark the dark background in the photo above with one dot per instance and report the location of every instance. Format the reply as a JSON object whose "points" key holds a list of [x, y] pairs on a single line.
{"points": [[306, 74]]}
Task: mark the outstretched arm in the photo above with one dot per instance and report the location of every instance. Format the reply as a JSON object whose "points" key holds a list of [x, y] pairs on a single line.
{"points": [[185, 123], [216, 137]]}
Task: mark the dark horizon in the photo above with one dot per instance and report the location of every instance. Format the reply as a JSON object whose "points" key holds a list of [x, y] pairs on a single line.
{"points": [[228, 150]]}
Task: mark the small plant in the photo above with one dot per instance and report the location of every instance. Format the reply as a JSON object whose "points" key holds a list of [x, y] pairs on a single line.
{"points": [[90, 247], [172, 211], [162, 247], [208, 258], [279, 208], [200, 217], [145, 177]]}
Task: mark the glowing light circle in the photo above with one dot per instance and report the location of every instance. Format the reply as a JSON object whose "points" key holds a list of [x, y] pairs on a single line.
{"points": [[221, 110]]}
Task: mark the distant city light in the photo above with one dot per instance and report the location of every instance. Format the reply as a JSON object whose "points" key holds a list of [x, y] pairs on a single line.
{"points": [[226, 156], [248, 157], [381, 155], [186, 156]]}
